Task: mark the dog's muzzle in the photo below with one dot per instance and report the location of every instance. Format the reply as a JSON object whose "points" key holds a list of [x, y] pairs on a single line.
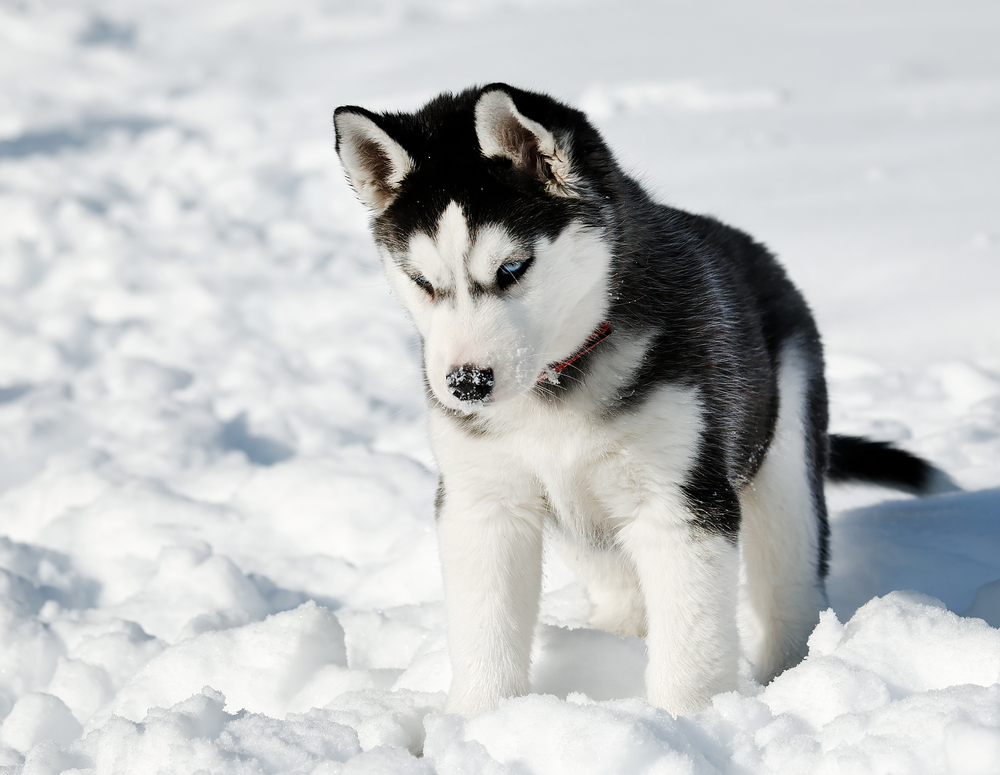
{"points": [[469, 383]]}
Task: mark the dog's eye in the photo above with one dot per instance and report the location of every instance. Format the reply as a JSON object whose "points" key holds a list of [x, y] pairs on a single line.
{"points": [[511, 272], [424, 284]]}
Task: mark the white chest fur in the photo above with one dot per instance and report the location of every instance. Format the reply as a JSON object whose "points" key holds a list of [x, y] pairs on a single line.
{"points": [[592, 472]]}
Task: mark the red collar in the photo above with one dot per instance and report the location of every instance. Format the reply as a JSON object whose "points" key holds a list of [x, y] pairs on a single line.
{"points": [[551, 374]]}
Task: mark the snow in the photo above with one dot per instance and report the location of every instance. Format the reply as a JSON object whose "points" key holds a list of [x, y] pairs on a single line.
{"points": [[216, 534]]}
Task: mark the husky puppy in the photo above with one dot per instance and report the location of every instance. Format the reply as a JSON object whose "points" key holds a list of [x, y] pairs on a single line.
{"points": [[642, 384]]}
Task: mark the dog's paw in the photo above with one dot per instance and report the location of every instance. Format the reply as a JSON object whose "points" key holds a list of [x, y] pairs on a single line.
{"points": [[472, 699], [468, 706], [681, 694], [621, 621]]}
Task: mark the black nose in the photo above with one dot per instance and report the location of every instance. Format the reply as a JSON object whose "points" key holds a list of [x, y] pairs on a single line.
{"points": [[469, 383]]}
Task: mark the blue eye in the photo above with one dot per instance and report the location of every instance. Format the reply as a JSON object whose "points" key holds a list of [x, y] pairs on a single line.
{"points": [[511, 272], [424, 284]]}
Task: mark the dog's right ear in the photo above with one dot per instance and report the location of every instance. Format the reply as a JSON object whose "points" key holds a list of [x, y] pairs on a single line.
{"points": [[375, 163], [504, 131]]}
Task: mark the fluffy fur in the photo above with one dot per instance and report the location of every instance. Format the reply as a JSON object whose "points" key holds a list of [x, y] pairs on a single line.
{"points": [[692, 438]]}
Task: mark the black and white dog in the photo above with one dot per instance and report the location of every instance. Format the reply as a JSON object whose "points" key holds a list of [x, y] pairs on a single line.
{"points": [[641, 384]]}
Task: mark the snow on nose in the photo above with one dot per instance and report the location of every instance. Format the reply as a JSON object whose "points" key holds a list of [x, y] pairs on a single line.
{"points": [[470, 383]]}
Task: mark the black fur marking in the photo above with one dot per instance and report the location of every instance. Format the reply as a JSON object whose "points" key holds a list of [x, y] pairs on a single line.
{"points": [[818, 450], [478, 290], [439, 498], [880, 463], [713, 501]]}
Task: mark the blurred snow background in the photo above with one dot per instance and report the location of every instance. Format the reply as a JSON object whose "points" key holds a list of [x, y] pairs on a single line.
{"points": [[217, 545]]}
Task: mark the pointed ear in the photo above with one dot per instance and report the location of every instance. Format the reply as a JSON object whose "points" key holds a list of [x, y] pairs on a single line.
{"points": [[375, 163], [504, 131]]}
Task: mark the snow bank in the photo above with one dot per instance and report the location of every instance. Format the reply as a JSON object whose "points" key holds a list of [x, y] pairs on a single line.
{"points": [[904, 686], [217, 549], [893, 690]]}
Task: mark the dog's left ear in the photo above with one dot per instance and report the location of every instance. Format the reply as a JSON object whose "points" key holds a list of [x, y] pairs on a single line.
{"points": [[375, 163], [504, 131]]}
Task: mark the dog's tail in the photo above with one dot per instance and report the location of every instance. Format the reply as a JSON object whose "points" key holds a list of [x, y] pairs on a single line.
{"points": [[853, 459]]}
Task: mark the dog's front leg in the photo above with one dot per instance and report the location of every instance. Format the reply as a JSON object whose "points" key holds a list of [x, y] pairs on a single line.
{"points": [[491, 557], [689, 579]]}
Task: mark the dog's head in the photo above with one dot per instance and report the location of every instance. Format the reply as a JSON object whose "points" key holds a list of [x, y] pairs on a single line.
{"points": [[489, 211]]}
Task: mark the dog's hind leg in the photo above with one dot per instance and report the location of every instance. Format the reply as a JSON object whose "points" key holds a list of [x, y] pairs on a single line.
{"points": [[616, 603], [783, 529]]}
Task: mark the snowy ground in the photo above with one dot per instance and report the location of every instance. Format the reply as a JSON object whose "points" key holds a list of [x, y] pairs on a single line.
{"points": [[215, 491]]}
